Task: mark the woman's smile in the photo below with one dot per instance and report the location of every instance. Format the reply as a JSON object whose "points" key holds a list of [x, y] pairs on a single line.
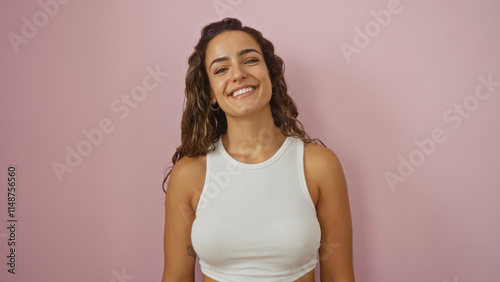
{"points": [[242, 92]]}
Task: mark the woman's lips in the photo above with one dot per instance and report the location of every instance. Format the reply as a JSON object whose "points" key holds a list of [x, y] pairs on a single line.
{"points": [[241, 96]]}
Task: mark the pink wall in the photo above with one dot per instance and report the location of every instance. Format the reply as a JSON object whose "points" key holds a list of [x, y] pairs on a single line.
{"points": [[402, 100]]}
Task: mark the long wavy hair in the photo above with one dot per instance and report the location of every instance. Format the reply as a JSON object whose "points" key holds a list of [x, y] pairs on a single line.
{"points": [[202, 126]]}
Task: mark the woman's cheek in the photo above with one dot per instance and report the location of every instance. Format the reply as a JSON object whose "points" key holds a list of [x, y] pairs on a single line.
{"points": [[221, 84]]}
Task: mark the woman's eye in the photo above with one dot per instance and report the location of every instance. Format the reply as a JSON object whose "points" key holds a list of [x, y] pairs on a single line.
{"points": [[250, 61], [219, 70]]}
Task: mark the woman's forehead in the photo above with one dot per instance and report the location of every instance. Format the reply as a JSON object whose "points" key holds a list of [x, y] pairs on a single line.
{"points": [[230, 43]]}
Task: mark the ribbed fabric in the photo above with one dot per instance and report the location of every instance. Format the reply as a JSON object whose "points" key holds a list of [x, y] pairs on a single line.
{"points": [[256, 222]]}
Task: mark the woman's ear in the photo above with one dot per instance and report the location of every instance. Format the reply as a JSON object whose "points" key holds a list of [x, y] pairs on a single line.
{"points": [[212, 97]]}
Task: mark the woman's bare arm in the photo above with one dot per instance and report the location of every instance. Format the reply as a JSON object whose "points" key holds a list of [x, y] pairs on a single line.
{"points": [[186, 179], [324, 171]]}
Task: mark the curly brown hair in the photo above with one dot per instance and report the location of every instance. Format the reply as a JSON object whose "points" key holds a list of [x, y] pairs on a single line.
{"points": [[201, 126]]}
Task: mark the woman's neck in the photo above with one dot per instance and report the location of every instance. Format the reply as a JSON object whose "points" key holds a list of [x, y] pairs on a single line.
{"points": [[252, 139]]}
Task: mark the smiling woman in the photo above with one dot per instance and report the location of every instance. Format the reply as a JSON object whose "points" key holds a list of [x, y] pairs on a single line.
{"points": [[250, 192]]}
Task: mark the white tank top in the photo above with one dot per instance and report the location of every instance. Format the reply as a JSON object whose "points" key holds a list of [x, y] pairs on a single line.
{"points": [[256, 222]]}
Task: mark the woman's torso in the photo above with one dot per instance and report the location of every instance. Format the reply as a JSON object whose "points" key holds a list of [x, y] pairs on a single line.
{"points": [[290, 215]]}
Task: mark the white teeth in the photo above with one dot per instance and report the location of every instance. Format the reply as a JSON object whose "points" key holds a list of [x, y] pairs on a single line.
{"points": [[242, 91]]}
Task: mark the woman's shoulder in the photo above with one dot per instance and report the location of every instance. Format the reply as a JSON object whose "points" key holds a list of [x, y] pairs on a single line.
{"points": [[187, 179], [189, 167], [320, 158]]}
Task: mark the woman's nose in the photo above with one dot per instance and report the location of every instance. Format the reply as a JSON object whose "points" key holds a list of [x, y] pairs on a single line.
{"points": [[238, 73]]}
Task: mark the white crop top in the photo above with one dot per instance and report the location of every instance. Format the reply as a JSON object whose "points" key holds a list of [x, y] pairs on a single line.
{"points": [[256, 222]]}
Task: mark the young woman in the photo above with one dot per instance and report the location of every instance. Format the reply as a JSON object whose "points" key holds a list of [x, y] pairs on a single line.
{"points": [[250, 193]]}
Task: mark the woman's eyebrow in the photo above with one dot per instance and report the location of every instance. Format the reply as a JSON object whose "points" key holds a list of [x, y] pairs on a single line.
{"points": [[240, 53]]}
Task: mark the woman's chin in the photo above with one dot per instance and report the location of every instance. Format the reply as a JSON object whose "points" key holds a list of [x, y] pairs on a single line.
{"points": [[247, 111]]}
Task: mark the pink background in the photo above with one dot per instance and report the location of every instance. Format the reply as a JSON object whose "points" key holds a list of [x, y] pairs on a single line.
{"points": [[104, 220]]}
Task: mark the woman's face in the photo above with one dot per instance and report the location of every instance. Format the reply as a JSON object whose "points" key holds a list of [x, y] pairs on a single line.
{"points": [[238, 74]]}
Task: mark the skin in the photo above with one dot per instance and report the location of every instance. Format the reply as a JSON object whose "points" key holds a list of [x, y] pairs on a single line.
{"points": [[239, 62]]}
